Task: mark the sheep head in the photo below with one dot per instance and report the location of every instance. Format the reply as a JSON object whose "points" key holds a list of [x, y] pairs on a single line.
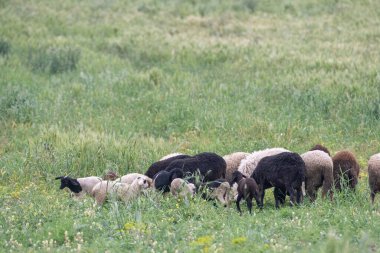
{"points": [[143, 182], [70, 183], [236, 177]]}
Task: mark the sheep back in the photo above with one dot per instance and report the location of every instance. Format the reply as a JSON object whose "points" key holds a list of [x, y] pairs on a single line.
{"points": [[129, 178], [249, 164], [321, 148], [345, 167], [170, 156], [232, 162], [162, 165], [319, 173], [210, 166]]}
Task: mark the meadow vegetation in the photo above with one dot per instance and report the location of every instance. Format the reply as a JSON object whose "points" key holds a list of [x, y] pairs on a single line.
{"points": [[92, 86]]}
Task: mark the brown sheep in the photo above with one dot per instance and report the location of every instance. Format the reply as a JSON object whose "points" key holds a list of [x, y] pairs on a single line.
{"points": [[345, 167], [321, 148], [233, 161], [110, 175], [374, 175], [319, 173]]}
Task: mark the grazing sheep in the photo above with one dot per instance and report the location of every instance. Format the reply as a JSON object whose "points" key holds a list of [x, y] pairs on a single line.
{"points": [[129, 178], [233, 161], [321, 148], [345, 167], [162, 165], [180, 188], [285, 171], [170, 156], [125, 192], [164, 178], [247, 189], [209, 165], [374, 175], [248, 165], [319, 172], [216, 190], [79, 186]]}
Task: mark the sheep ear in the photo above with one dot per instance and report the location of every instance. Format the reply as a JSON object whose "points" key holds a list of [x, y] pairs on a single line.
{"points": [[59, 177]]}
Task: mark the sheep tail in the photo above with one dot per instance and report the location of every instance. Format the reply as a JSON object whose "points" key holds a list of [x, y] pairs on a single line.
{"points": [[303, 188]]}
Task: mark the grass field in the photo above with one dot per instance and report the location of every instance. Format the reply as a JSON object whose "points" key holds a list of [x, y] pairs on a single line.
{"points": [[92, 86]]}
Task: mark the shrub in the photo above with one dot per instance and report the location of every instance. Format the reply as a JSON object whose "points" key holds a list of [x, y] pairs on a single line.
{"points": [[54, 60]]}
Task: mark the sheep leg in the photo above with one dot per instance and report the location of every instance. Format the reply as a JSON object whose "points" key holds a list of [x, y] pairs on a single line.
{"points": [[299, 195], [373, 197], [262, 199], [311, 193], [291, 193], [279, 196], [276, 197], [238, 203], [249, 204]]}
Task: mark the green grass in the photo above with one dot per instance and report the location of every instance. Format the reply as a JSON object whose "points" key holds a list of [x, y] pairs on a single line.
{"points": [[96, 85]]}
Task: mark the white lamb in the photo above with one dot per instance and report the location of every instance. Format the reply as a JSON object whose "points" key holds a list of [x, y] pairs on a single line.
{"points": [[122, 191], [180, 188], [129, 178]]}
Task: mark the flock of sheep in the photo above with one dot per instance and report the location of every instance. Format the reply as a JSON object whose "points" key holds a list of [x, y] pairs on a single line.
{"points": [[236, 176]]}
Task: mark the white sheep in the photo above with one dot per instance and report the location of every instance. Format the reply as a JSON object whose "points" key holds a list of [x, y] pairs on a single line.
{"points": [[170, 156], [125, 192], [249, 164], [180, 188], [374, 175], [319, 173], [79, 186], [233, 161], [129, 178]]}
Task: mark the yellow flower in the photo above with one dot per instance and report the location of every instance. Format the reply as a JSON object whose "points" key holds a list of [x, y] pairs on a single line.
{"points": [[129, 226], [15, 195], [203, 240], [239, 240]]}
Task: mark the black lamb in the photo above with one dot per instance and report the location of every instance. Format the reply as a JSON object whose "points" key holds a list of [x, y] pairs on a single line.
{"points": [[164, 178], [247, 189]]}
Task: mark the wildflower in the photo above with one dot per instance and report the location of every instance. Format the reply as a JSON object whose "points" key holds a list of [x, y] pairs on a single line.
{"points": [[239, 240], [203, 240]]}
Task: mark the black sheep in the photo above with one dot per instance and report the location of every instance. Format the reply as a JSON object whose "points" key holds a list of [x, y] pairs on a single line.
{"points": [[210, 166], [164, 178], [162, 164], [247, 189], [285, 171]]}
